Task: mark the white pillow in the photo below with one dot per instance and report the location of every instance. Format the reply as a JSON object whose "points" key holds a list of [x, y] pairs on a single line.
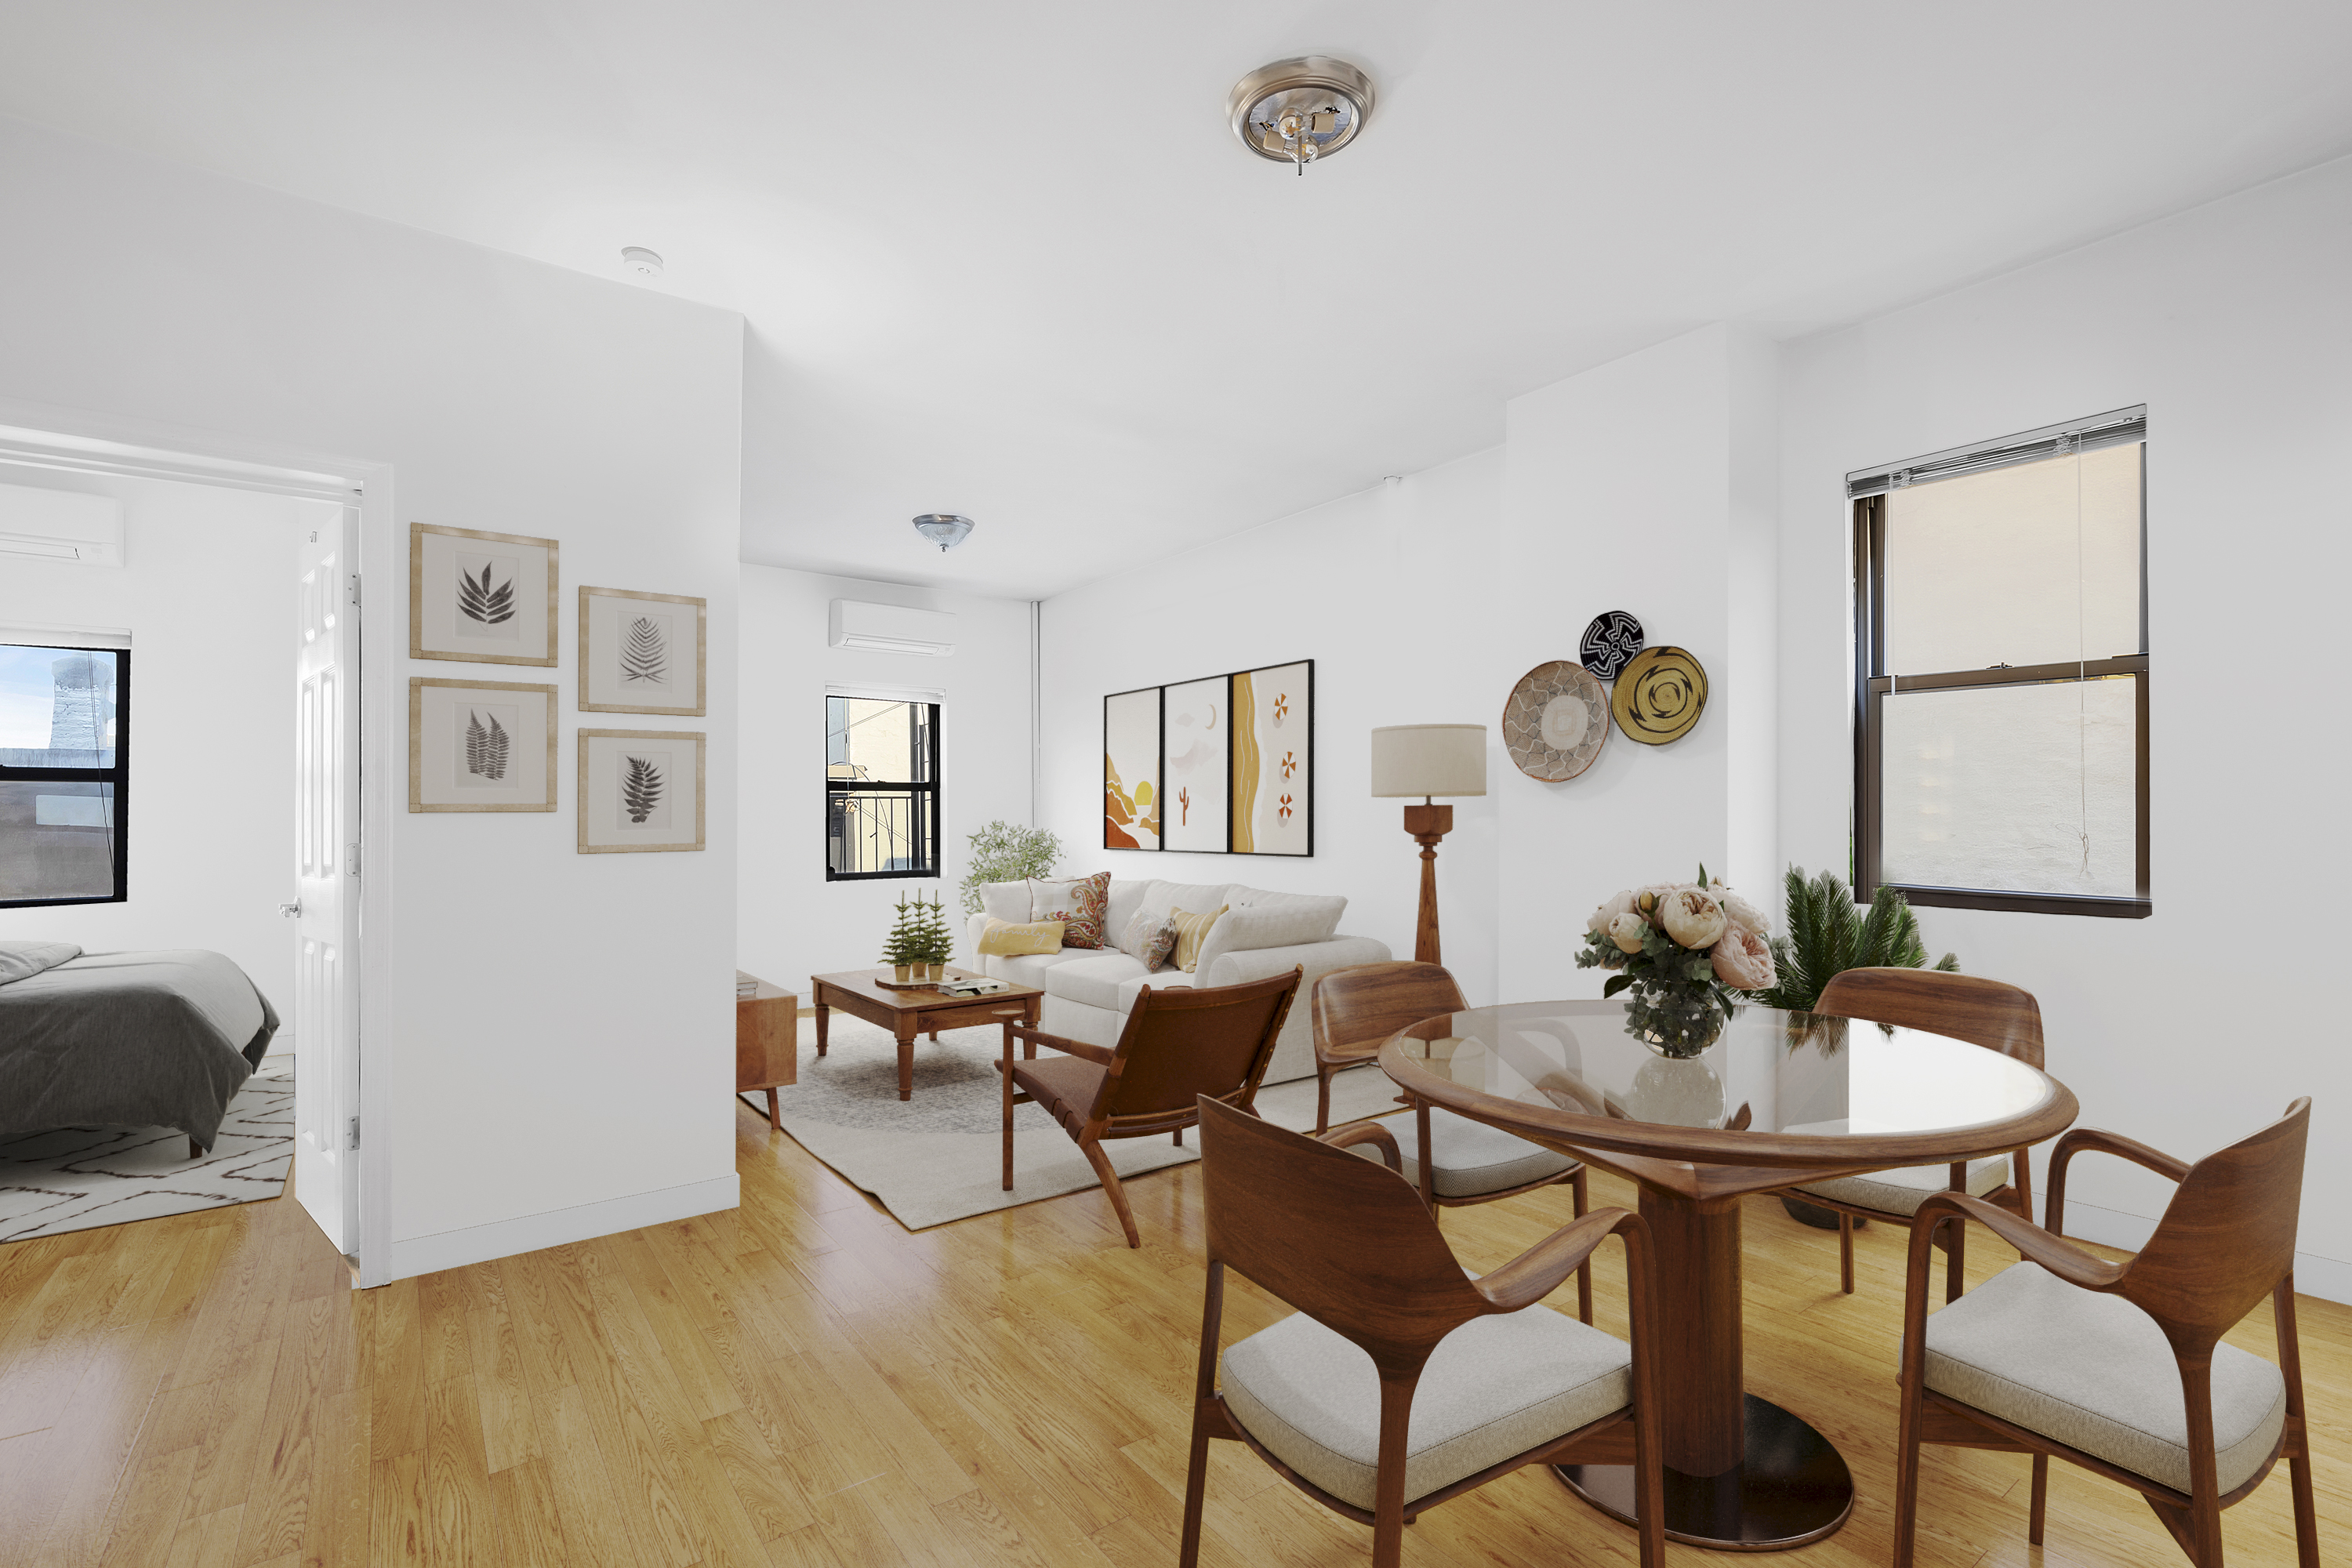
{"points": [[1303, 917], [1050, 895], [1006, 901]]}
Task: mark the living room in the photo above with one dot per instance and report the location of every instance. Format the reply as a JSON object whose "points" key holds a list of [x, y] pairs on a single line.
{"points": [[1414, 412]]}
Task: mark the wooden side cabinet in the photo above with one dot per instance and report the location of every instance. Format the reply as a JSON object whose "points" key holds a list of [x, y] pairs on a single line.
{"points": [[767, 1040]]}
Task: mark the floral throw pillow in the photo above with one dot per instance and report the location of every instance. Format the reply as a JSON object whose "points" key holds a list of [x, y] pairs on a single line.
{"points": [[1151, 937], [1083, 926]]}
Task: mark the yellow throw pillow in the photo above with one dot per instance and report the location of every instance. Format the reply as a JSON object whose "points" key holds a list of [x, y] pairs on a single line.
{"points": [[1006, 940], [1191, 932]]}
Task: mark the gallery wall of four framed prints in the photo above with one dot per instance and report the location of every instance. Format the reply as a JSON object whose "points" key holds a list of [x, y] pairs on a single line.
{"points": [[1223, 765], [491, 745]]}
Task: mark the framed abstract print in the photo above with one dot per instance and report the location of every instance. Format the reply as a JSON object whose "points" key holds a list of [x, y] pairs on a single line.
{"points": [[1273, 720], [481, 599], [1131, 804], [1196, 731]]}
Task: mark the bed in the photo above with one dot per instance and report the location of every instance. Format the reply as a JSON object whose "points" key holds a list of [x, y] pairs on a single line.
{"points": [[157, 1038]]}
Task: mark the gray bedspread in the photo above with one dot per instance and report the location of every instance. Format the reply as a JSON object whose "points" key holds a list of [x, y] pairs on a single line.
{"points": [[161, 1038]]}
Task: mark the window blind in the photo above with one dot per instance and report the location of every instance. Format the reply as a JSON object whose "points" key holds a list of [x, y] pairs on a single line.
{"points": [[2116, 429]]}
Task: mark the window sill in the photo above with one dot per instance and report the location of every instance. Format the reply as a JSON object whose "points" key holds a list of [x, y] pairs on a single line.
{"points": [[2024, 904]]}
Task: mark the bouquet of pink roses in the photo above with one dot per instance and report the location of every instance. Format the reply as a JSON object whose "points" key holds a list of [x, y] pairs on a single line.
{"points": [[1684, 948]]}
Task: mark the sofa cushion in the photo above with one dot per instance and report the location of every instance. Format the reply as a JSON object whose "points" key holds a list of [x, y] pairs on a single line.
{"points": [[1007, 902], [1126, 900], [1494, 1388], [2096, 1373], [1192, 928], [1094, 979], [1166, 897], [1150, 937], [1004, 938], [1285, 920], [1028, 970], [1082, 916]]}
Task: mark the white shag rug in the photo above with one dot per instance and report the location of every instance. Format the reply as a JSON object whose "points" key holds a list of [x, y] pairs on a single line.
{"points": [[940, 1156], [77, 1178]]}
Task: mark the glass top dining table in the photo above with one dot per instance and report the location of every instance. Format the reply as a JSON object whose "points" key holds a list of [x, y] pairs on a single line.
{"points": [[1778, 1099]]}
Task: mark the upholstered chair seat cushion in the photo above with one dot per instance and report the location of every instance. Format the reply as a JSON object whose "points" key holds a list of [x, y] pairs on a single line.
{"points": [[1902, 1191], [1472, 1158], [2094, 1372], [1495, 1387], [1064, 1086]]}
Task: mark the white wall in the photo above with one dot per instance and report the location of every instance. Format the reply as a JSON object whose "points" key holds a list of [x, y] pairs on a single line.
{"points": [[553, 1054], [206, 590], [1392, 593], [1643, 485], [2232, 323], [794, 923]]}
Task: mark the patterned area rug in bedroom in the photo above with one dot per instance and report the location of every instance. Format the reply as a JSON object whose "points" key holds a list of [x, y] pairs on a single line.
{"points": [[75, 1178]]}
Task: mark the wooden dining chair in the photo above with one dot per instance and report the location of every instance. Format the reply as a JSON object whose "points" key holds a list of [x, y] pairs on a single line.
{"points": [[1347, 1243], [1966, 1007], [1470, 1162], [2118, 1367], [1180, 1046]]}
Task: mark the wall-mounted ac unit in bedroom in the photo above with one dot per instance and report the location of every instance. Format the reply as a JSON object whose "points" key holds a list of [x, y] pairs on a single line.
{"points": [[891, 628], [61, 525]]}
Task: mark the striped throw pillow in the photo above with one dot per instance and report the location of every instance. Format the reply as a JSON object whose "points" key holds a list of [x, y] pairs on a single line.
{"points": [[1191, 932]]}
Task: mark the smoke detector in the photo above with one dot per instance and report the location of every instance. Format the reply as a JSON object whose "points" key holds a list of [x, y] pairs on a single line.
{"points": [[943, 529], [639, 262], [1297, 111]]}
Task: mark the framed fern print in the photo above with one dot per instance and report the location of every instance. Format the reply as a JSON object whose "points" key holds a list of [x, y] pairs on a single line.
{"points": [[480, 745], [640, 790], [481, 598], [642, 653]]}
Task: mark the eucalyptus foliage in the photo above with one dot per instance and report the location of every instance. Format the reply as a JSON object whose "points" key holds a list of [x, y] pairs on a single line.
{"points": [[1002, 852], [1828, 935]]}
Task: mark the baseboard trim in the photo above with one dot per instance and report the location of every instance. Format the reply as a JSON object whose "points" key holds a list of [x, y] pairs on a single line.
{"points": [[529, 1233], [2325, 1278]]}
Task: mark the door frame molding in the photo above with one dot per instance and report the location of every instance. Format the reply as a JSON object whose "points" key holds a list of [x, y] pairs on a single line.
{"points": [[79, 440]]}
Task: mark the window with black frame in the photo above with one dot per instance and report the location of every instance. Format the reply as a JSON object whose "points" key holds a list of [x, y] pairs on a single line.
{"points": [[65, 757], [881, 788], [2002, 674]]}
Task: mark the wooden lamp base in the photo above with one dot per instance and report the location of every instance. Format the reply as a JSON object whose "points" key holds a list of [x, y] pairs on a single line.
{"points": [[1428, 822]]}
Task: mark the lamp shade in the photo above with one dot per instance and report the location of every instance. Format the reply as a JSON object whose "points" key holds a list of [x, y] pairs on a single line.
{"points": [[1429, 759]]}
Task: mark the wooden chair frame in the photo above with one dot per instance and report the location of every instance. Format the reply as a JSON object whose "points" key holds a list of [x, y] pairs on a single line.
{"points": [[1342, 1042], [1100, 1124], [1399, 1328], [1987, 1012], [2226, 1240]]}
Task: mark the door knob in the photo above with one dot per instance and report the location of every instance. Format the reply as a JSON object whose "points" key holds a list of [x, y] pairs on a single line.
{"points": [[290, 910]]}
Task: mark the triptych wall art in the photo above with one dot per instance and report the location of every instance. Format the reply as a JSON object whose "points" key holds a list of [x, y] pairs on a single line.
{"points": [[490, 745], [1223, 765]]}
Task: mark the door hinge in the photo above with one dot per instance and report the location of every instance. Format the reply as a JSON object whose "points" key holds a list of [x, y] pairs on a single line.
{"points": [[355, 590], [352, 1135], [354, 859]]}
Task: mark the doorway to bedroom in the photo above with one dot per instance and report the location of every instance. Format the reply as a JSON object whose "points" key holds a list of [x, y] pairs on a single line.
{"points": [[179, 816]]}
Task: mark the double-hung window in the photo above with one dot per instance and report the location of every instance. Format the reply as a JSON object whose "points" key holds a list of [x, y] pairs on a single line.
{"points": [[2001, 662], [65, 764], [881, 788]]}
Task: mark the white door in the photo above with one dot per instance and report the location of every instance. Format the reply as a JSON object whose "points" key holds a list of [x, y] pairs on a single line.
{"points": [[326, 879]]}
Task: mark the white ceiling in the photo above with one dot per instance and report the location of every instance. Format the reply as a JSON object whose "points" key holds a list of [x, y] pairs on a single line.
{"points": [[1007, 259]]}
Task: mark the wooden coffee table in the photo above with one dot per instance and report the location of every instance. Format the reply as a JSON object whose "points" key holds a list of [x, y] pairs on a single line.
{"points": [[906, 1014]]}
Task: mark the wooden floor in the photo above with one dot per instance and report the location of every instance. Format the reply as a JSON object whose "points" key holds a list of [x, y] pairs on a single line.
{"points": [[803, 1383]]}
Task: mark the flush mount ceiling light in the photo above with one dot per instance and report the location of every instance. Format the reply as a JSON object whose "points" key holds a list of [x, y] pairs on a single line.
{"points": [[943, 529], [639, 262], [1294, 112]]}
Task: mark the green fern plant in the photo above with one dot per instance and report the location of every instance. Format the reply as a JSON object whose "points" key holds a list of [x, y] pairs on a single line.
{"points": [[1828, 935]]}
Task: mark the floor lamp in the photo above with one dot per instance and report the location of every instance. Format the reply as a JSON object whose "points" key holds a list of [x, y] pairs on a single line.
{"points": [[1428, 759]]}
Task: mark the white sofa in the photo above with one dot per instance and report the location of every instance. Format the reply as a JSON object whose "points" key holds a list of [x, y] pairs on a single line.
{"points": [[1089, 992]]}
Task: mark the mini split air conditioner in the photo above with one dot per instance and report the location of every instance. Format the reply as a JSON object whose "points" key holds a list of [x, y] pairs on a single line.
{"points": [[892, 628], [61, 525]]}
